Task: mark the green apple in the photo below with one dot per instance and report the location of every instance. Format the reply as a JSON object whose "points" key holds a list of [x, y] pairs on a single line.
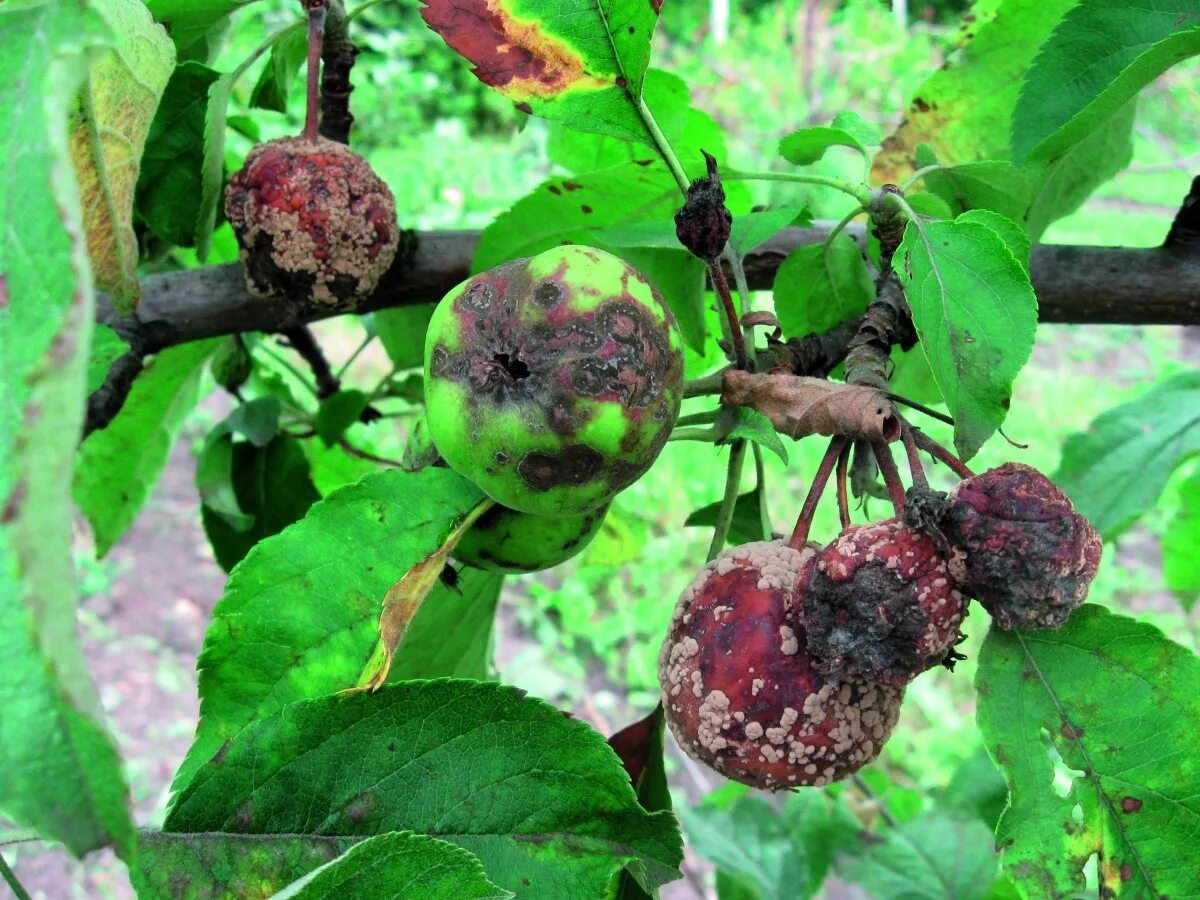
{"points": [[504, 540]]}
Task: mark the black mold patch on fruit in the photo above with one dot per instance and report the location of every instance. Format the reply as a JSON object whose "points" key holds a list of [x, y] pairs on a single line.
{"points": [[574, 465]]}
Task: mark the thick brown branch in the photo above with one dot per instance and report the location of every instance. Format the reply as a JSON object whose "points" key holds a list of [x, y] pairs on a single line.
{"points": [[1095, 285]]}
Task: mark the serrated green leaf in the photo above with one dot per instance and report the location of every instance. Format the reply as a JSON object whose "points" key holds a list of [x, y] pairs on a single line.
{"points": [[976, 315], [398, 864], [928, 858], [1181, 545], [807, 145], [583, 65], [274, 84], [117, 466], [751, 425], [337, 413], [401, 330], [108, 128], [747, 522], [1098, 58], [815, 288], [266, 489], [989, 185], [755, 228], [1013, 235], [212, 167], [59, 768], [1115, 470], [205, 865], [107, 348], [168, 188], [540, 798], [862, 130], [298, 615], [640, 747], [1116, 703]]}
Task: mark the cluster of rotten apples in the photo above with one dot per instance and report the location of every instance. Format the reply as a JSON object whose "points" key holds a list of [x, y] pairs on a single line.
{"points": [[786, 663]]}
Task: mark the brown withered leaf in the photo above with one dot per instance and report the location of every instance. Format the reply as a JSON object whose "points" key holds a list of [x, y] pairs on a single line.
{"points": [[404, 599], [799, 406]]}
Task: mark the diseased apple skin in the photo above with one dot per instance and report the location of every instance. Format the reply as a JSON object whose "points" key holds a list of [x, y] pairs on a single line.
{"points": [[553, 382], [510, 542], [739, 688]]}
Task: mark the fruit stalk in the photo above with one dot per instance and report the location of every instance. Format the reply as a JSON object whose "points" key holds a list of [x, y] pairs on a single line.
{"points": [[891, 475], [937, 451], [843, 464], [800, 534], [316, 28]]}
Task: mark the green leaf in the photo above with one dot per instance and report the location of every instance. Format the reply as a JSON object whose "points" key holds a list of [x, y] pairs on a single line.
{"points": [[59, 769], [206, 865], [807, 145], [823, 825], [928, 858], [747, 522], [569, 210], [1013, 235], [640, 747], [815, 289], [214, 482], [751, 425], [1115, 470], [1181, 545], [398, 864], [755, 228], [1098, 58], [402, 332], [990, 185], [274, 85], [256, 420], [298, 616], [337, 413], [976, 788], [107, 348], [212, 167], [191, 22], [108, 129], [863, 131], [168, 188], [686, 129], [1093, 726], [581, 65], [540, 798], [264, 489], [333, 467], [117, 467], [976, 315], [1066, 181]]}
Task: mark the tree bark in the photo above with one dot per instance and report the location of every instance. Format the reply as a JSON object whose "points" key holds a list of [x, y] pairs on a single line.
{"points": [[1081, 285]]}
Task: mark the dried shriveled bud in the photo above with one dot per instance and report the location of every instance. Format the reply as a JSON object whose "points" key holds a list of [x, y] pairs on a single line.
{"points": [[1029, 557], [740, 691], [313, 221], [704, 223], [882, 604]]}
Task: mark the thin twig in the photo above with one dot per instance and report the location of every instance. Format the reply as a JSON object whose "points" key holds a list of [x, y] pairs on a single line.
{"points": [[305, 343], [733, 481], [891, 475], [107, 400], [921, 408], [371, 457], [843, 464], [815, 489], [342, 369], [870, 794], [738, 340]]}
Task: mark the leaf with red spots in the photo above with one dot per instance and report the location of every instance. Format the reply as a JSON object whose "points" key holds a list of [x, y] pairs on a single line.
{"points": [[1094, 729], [582, 63]]}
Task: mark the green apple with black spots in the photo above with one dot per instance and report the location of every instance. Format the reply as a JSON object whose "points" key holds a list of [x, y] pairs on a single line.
{"points": [[553, 382], [504, 540]]}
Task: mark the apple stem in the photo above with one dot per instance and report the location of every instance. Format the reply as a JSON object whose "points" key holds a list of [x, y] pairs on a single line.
{"points": [[316, 28], [937, 451], [891, 475], [915, 469], [804, 523], [843, 464]]}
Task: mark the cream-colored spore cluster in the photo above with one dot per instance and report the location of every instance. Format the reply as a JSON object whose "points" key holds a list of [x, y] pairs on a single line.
{"points": [[312, 220], [740, 690]]}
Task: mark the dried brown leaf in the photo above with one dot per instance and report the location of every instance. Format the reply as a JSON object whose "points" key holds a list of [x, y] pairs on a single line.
{"points": [[799, 406]]}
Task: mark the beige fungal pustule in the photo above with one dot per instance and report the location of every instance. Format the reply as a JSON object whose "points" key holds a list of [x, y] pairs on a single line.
{"points": [[739, 689]]}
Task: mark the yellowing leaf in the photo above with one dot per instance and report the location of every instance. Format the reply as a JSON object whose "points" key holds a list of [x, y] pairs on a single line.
{"points": [[108, 132], [404, 599]]}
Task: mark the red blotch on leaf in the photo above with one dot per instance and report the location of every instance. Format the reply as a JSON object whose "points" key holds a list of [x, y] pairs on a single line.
{"points": [[633, 744], [1131, 804]]}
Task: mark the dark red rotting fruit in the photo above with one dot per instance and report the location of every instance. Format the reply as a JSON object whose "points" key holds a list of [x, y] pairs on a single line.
{"points": [[881, 604], [740, 692], [1029, 557], [313, 221]]}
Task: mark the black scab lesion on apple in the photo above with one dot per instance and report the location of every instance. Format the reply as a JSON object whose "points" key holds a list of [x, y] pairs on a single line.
{"points": [[573, 466]]}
